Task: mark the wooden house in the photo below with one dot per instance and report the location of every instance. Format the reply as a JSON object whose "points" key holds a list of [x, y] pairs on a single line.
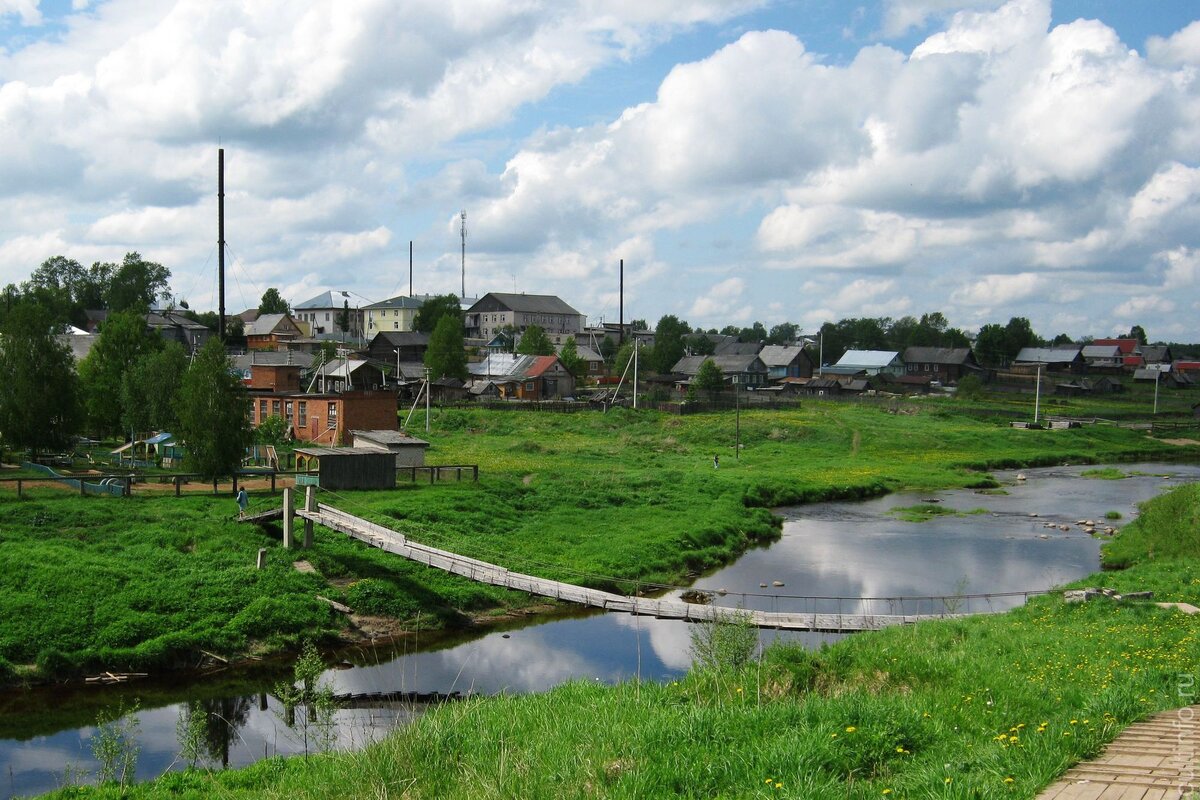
{"points": [[786, 361], [326, 418], [272, 332], [942, 364]]}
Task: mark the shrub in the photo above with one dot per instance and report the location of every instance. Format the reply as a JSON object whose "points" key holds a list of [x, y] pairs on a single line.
{"points": [[725, 643], [8, 673], [271, 615], [380, 598], [54, 663]]}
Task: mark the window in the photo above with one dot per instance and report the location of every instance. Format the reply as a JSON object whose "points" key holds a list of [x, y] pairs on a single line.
{"points": [[327, 316], [262, 410], [275, 407], [288, 413], [302, 422], [529, 386], [332, 415], [395, 326]]}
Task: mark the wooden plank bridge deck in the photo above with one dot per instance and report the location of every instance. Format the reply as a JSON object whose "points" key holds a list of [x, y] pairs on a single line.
{"points": [[395, 542]]}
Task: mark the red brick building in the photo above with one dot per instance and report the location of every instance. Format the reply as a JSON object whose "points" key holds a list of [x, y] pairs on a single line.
{"points": [[327, 419]]}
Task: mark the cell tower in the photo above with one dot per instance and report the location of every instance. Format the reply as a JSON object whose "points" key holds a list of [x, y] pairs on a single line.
{"points": [[463, 230]]}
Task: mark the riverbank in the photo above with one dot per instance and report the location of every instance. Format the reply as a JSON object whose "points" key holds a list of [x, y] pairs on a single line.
{"points": [[988, 707], [615, 501]]}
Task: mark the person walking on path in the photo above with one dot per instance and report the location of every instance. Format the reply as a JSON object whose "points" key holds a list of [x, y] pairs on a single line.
{"points": [[243, 501]]}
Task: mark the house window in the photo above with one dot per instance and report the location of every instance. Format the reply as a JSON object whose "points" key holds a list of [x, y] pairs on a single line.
{"points": [[395, 326], [529, 386], [332, 412], [303, 419], [275, 407], [288, 413], [262, 410]]}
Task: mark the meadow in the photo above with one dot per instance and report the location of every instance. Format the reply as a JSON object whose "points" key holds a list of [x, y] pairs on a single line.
{"points": [[623, 500]]}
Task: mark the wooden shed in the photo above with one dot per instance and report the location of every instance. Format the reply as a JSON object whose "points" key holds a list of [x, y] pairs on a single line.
{"points": [[347, 467], [409, 451]]}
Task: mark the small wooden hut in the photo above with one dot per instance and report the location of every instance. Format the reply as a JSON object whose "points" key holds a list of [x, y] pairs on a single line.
{"points": [[347, 467]]}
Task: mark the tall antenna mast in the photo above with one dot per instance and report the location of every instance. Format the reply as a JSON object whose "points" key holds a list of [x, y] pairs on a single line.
{"points": [[221, 243], [463, 230]]}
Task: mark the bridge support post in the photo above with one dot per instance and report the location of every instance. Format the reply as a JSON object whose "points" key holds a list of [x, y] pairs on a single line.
{"points": [[310, 504], [289, 516]]}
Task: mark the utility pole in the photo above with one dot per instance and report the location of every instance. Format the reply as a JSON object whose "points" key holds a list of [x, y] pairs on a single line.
{"points": [[410, 280], [621, 319], [1037, 394], [463, 231], [221, 243], [1157, 375], [427, 399]]}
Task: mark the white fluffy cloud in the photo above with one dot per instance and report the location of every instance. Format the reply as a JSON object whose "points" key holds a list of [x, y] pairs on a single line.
{"points": [[1001, 147]]}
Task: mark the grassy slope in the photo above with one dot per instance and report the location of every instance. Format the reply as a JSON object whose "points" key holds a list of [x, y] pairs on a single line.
{"points": [[144, 582], [985, 707]]}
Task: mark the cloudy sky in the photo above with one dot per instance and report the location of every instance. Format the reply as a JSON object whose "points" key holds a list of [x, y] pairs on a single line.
{"points": [[798, 160]]}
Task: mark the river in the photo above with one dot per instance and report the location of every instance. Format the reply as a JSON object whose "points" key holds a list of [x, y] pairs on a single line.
{"points": [[992, 544]]}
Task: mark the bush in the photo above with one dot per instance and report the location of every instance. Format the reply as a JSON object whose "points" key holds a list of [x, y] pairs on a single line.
{"points": [[270, 615], [380, 598], [8, 673], [53, 663], [726, 643]]}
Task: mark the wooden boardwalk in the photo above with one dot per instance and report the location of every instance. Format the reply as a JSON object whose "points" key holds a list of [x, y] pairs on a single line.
{"points": [[395, 542], [1152, 760]]}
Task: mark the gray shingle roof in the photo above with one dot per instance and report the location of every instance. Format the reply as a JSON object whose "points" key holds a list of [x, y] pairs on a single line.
{"points": [[1048, 355], [779, 355], [867, 359]]}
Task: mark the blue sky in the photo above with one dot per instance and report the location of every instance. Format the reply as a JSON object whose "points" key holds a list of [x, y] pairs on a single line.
{"points": [[803, 161]]}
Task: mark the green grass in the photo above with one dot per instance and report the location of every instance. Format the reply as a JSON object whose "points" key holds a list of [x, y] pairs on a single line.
{"points": [[1167, 530], [610, 500], [1105, 474]]}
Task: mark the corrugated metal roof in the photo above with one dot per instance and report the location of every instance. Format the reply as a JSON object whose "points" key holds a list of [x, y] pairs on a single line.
{"points": [[323, 300], [1047, 355], [690, 365], [1101, 351], [867, 359], [500, 365], [403, 301]]}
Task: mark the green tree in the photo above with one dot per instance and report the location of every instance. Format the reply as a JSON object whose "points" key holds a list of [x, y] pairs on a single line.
{"points": [[709, 379], [784, 333], [535, 342], [434, 309], [701, 345], [755, 333], [135, 284], [39, 407], [1139, 333], [569, 355], [623, 357], [123, 339], [212, 414], [1061, 339], [668, 344], [150, 388], [1018, 334], [445, 356], [991, 345], [273, 303], [608, 349], [343, 317]]}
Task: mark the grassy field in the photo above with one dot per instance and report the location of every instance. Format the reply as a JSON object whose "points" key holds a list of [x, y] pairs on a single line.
{"points": [[984, 707], [611, 500]]}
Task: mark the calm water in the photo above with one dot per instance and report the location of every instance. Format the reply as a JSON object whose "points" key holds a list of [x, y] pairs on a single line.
{"points": [[847, 550]]}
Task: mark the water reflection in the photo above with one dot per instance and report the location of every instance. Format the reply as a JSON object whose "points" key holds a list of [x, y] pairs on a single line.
{"points": [[832, 550]]}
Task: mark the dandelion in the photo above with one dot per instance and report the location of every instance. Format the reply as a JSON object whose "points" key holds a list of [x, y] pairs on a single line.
{"points": [[1009, 779], [778, 785], [769, 781], [886, 791], [948, 780], [850, 729]]}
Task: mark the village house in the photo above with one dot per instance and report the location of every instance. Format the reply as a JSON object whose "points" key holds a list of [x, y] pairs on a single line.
{"points": [[393, 314], [518, 377], [1103, 357], [1050, 359], [326, 418], [322, 313], [943, 364], [1131, 351], [273, 332], [175, 327], [747, 371], [867, 362], [786, 361], [496, 311]]}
